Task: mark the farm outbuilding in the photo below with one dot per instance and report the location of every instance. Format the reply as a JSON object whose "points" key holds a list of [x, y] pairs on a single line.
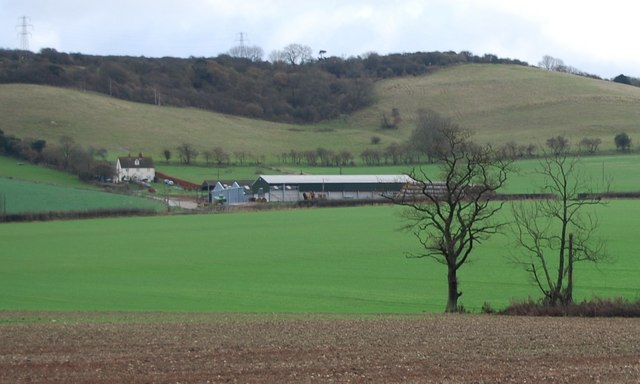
{"points": [[303, 187], [233, 194]]}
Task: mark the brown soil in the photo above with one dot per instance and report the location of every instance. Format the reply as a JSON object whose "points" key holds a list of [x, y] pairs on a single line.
{"points": [[218, 348]]}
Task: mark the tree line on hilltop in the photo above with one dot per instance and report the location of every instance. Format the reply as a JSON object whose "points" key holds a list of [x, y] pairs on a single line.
{"points": [[293, 86]]}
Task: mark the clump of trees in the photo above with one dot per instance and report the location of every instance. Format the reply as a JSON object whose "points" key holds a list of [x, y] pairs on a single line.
{"points": [[317, 157], [555, 64], [65, 155]]}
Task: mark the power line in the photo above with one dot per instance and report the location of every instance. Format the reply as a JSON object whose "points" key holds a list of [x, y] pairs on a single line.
{"points": [[24, 33]]}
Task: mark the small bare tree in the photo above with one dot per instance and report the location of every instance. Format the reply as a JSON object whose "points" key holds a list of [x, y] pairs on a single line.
{"points": [[220, 156], [452, 216], [555, 233], [590, 144], [187, 153]]}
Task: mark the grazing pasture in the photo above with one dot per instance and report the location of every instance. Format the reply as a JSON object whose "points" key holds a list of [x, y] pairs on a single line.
{"points": [[345, 260]]}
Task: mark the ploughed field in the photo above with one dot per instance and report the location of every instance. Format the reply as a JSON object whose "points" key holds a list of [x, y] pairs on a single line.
{"points": [[65, 347]]}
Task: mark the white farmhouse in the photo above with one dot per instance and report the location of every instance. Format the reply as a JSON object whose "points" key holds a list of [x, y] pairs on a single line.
{"points": [[135, 168]]}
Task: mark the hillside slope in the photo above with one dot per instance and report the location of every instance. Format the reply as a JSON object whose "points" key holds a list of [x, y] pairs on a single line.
{"points": [[518, 103], [122, 127], [500, 102]]}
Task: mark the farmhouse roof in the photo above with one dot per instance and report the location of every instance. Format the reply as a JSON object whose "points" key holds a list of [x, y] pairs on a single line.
{"points": [[335, 179], [136, 162]]}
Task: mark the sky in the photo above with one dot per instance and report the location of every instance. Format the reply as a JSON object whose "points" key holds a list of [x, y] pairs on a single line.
{"points": [[597, 37]]}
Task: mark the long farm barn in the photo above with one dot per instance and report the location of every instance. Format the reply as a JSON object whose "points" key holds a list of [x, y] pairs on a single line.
{"points": [[275, 188]]}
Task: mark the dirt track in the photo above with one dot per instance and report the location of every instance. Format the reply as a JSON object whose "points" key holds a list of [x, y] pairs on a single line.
{"points": [[169, 348]]}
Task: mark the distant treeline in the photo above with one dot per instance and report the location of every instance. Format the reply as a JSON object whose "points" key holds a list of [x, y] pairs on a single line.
{"points": [[280, 91]]}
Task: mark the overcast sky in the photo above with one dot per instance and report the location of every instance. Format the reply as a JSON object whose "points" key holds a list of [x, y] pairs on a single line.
{"points": [[599, 37]]}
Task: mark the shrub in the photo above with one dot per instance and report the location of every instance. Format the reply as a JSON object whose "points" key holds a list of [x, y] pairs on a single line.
{"points": [[486, 308], [596, 307]]}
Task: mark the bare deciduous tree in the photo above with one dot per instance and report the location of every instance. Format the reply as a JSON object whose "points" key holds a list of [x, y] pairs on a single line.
{"points": [[590, 144], [558, 144], [551, 63], [187, 153], [454, 214], [557, 232], [293, 54], [67, 147], [427, 136], [220, 156], [253, 53]]}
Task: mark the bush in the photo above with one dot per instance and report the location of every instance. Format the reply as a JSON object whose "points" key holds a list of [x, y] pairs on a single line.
{"points": [[487, 308], [596, 307]]}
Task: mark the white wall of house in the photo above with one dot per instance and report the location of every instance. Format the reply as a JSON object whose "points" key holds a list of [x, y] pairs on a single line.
{"points": [[125, 174]]}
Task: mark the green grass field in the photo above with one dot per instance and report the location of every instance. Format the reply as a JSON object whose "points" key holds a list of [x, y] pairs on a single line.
{"points": [[620, 173], [197, 174], [347, 260], [21, 170]]}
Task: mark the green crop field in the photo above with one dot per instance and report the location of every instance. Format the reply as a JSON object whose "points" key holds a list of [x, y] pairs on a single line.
{"points": [[23, 196], [347, 260]]}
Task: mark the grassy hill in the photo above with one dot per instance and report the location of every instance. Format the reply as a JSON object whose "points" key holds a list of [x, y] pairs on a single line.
{"points": [[518, 103], [500, 102]]}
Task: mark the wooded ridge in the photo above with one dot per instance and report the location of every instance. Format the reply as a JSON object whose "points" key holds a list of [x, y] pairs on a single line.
{"points": [[284, 92]]}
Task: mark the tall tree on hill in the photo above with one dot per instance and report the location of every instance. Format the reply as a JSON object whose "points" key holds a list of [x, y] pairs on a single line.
{"points": [[453, 214], [553, 234]]}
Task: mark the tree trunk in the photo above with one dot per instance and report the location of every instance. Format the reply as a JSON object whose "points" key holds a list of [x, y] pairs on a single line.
{"points": [[568, 296], [452, 302]]}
